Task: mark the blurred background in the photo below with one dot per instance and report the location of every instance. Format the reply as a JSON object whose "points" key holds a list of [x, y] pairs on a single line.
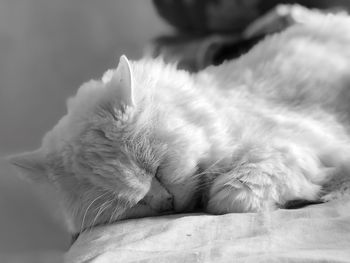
{"points": [[48, 48]]}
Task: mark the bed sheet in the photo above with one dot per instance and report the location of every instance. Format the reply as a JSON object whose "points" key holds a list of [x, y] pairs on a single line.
{"points": [[317, 233]]}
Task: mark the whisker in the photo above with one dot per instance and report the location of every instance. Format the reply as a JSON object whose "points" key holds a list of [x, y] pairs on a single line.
{"points": [[103, 207], [218, 169], [117, 202], [87, 209], [124, 205], [112, 214]]}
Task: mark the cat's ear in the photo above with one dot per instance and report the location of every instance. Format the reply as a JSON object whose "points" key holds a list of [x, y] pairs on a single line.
{"points": [[30, 165], [123, 81]]}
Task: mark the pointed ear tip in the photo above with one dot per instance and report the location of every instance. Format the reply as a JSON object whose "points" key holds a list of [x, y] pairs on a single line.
{"points": [[12, 159], [21, 158], [16, 160], [123, 56], [124, 59]]}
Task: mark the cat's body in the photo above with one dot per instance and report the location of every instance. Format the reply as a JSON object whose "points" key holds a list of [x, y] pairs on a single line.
{"points": [[249, 135]]}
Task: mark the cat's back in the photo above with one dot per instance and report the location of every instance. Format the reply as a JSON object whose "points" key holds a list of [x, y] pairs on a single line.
{"points": [[305, 65]]}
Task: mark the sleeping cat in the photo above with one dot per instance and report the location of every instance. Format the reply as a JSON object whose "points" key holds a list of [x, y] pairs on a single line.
{"points": [[246, 136]]}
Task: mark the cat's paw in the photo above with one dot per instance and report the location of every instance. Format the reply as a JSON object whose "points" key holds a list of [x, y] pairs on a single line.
{"points": [[338, 187], [230, 194], [264, 180], [342, 192]]}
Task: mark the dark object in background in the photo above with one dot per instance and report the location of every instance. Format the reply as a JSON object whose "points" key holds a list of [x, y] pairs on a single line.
{"points": [[195, 53], [225, 16], [296, 204], [212, 31], [208, 16]]}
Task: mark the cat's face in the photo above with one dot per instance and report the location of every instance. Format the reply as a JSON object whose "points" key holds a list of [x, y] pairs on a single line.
{"points": [[102, 156]]}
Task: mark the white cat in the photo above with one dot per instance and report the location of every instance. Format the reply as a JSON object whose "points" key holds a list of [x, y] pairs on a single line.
{"points": [[248, 135]]}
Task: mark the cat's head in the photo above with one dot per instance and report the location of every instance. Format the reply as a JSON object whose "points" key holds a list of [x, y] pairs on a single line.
{"points": [[102, 156]]}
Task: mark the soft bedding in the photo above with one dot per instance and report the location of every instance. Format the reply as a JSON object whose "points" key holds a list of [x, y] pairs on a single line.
{"points": [[317, 233]]}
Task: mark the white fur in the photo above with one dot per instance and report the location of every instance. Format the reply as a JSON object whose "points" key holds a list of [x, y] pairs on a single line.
{"points": [[248, 135]]}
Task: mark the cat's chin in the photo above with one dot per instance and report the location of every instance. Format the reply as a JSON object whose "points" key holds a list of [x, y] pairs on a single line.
{"points": [[142, 210]]}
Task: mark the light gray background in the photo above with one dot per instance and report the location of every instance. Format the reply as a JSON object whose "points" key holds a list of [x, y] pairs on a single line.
{"points": [[47, 49]]}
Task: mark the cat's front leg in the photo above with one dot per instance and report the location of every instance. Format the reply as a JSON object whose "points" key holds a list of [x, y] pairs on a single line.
{"points": [[250, 190], [264, 179]]}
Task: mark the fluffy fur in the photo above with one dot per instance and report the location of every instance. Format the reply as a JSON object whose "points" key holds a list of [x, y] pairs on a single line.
{"points": [[248, 135]]}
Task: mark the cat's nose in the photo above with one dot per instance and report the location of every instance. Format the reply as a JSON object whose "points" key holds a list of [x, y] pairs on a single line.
{"points": [[167, 205], [158, 198]]}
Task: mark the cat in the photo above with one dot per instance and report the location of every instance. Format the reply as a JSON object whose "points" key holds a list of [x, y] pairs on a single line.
{"points": [[249, 135]]}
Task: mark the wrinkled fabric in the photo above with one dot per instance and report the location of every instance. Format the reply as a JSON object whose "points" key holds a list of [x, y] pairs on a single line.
{"points": [[317, 233]]}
